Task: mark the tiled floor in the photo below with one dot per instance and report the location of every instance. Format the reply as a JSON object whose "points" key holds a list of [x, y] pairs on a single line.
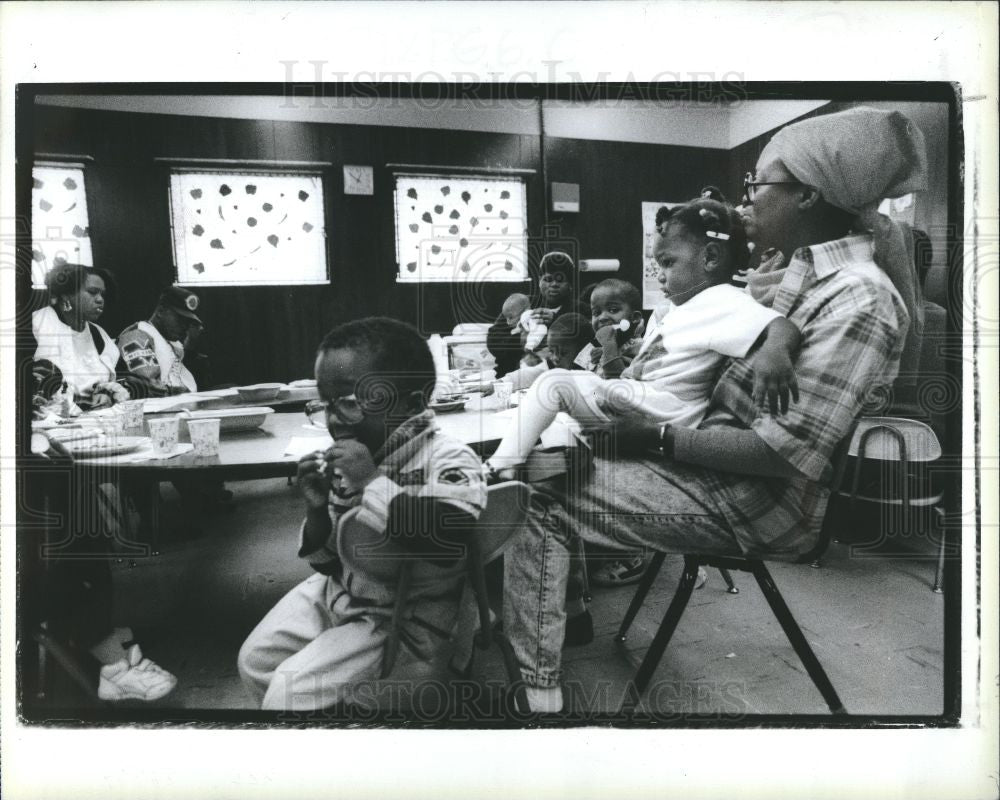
{"points": [[872, 621]]}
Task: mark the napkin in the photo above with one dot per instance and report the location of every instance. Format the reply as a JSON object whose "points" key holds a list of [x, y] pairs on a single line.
{"points": [[299, 446]]}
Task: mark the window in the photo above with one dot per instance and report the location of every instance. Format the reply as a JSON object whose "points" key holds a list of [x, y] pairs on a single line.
{"points": [[60, 227], [248, 227], [460, 228]]}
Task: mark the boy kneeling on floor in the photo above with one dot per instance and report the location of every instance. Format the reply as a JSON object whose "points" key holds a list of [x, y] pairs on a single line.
{"points": [[418, 495]]}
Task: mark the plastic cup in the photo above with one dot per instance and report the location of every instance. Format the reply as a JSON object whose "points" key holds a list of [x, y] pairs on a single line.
{"points": [[204, 436], [132, 411], [502, 390], [163, 431]]}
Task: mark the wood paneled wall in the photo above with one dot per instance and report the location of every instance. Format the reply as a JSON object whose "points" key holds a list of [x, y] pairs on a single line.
{"points": [[270, 333]]}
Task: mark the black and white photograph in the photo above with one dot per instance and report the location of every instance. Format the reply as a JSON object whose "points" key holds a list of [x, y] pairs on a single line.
{"points": [[366, 405]]}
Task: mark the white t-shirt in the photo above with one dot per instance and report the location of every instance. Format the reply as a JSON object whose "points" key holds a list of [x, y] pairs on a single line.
{"points": [[686, 345], [73, 351]]}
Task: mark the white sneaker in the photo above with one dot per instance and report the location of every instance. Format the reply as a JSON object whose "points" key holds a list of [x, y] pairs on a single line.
{"points": [[544, 701], [134, 678]]}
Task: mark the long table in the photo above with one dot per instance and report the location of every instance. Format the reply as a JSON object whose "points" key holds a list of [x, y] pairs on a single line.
{"points": [[260, 453]]}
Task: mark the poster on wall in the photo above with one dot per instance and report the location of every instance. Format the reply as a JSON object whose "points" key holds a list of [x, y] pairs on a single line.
{"points": [[652, 295], [243, 228], [461, 228]]}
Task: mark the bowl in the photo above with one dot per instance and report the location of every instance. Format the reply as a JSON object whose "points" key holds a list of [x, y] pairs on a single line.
{"points": [[446, 404], [259, 392], [235, 419]]}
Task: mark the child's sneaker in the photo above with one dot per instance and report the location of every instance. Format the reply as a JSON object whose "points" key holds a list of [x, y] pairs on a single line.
{"points": [[134, 678], [702, 577], [621, 572]]}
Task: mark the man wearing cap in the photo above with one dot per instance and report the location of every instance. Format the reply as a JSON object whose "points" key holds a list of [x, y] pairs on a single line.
{"points": [[153, 351], [748, 482]]}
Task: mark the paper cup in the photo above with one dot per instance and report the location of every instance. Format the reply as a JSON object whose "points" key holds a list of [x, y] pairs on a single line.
{"points": [[204, 436], [114, 423], [163, 431], [132, 411], [502, 390]]}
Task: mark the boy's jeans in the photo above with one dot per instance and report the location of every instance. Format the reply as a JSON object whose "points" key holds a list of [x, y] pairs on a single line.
{"points": [[628, 504]]}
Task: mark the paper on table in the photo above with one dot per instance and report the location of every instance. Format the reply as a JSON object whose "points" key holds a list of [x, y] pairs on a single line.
{"points": [[299, 446]]}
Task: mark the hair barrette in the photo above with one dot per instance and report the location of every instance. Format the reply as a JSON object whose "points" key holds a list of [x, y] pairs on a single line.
{"points": [[717, 235]]}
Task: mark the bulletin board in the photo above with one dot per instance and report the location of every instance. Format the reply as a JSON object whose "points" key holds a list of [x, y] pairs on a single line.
{"points": [[245, 227], [460, 228], [652, 295]]}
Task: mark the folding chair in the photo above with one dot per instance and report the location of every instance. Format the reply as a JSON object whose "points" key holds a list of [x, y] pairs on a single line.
{"points": [[902, 446], [756, 567], [505, 513]]}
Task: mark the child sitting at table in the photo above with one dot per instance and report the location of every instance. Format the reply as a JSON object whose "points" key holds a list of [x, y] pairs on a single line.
{"points": [[705, 319], [616, 316], [417, 494], [565, 339]]}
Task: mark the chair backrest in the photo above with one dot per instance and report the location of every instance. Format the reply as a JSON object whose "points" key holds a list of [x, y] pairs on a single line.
{"points": [[895, 439], [505, 513], [375, 554]]}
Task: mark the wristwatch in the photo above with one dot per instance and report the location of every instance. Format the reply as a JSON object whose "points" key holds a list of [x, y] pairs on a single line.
{"points": [[666, 441]]}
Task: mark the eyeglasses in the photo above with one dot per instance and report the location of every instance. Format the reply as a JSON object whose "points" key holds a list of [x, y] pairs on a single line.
{"points": [[750, 185], [347, 410]]}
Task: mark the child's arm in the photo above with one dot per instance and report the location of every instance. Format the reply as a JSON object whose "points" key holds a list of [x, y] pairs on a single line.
{"points": [[317, 544], [772, 361], [613, 342]]}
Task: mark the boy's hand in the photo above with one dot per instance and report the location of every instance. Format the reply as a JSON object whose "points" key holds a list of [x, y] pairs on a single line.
{"points": [[773, 379], [609, 337], [354, 461], [313, 480]]}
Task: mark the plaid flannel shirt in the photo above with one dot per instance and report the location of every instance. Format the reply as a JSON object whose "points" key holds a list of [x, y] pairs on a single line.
{"points": [[853, 326]]}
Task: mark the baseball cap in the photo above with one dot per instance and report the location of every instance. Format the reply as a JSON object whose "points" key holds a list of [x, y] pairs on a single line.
{"points": [[182, 301]]}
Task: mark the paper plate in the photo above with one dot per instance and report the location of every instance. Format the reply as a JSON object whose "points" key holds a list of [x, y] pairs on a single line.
{"points": [[98, 448]]}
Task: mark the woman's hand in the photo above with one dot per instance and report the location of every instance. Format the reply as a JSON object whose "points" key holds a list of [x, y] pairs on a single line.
{"points": [[100, 400], [313, 479], [629, 429], [543, 315], [354, 461]]}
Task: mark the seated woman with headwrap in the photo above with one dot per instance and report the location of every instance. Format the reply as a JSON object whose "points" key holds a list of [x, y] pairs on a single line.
{"points": [[73, 352], [747, 481]]}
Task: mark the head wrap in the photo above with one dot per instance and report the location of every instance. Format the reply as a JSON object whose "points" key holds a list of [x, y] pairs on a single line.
{"points": [[856, 159]]}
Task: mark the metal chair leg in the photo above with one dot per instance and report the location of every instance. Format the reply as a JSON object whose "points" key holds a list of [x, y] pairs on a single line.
{"points": [[939, 572], [581, 553], [731, 587], [640, 593], [797, 638], [685, 587]]}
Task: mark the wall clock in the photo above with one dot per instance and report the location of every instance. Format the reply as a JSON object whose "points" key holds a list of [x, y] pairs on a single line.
{"points": [[358, 180]]}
